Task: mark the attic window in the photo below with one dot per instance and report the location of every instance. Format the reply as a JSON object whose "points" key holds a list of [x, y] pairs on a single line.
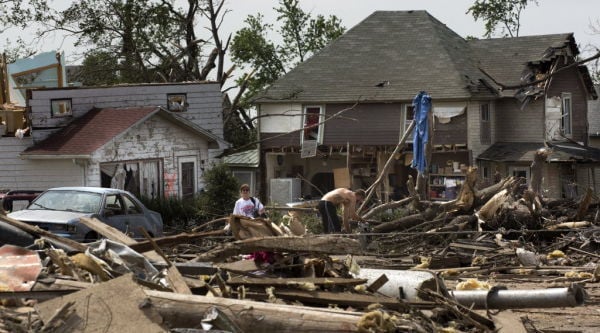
{"points": [[177, 102], [61, 108]]}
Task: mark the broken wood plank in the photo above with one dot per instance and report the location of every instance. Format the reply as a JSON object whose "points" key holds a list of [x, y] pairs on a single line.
{"points": [[315, 244], [174, 277], [107, 231], [378, 283], [143, 246], [182, 311], [355, 300], [117, 235], [62, 242], [290, 282]]}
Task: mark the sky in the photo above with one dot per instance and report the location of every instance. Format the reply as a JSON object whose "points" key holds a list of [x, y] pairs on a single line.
{"points": [[548, 17]]}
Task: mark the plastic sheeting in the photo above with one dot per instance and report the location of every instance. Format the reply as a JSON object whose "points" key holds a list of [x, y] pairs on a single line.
{"points": [[422, 105]]}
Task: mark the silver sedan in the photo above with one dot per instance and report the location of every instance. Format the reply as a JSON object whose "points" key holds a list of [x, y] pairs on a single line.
{"points": [[58, 210]]}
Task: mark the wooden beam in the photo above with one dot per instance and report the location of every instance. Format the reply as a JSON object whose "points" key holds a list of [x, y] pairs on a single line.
{"points": [[290, 282], [55, 239], [316, 244], [182, 311]]}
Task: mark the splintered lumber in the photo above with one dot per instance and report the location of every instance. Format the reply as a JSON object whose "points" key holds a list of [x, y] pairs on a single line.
{"points": [[55, 239], [325, 298], [107, 231], [185, 311], [291, 282], [400, 224], [143, 246], [316, 244], [488, 211], [570, 225]]}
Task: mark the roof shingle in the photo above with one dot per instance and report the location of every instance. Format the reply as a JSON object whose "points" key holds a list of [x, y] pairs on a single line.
{"points": [[88, 133]]}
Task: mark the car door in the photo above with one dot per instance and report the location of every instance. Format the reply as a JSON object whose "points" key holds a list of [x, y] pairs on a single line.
{"points": [[125, 214], [114, 213]]}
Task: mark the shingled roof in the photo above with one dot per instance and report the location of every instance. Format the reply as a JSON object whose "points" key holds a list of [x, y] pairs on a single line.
{"points": [[413, 51], [97, 127]]}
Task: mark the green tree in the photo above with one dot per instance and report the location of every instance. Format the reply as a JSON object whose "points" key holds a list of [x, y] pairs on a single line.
{"points": [[153, 40], [98, 68], [503, 15], [302, 35], [220, 191]]}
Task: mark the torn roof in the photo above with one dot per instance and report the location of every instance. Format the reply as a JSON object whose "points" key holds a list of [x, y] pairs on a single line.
{"points": [[97, 127], [392, 55], [525, 152]]}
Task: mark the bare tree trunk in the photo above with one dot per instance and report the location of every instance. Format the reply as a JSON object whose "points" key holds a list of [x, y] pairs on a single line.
{"points": [[186, 311]]}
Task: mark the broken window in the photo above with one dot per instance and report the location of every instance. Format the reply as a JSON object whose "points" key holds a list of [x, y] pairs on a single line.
{"points": [[408, 116], [485, 134], [61, 107], [142, 178], [313, 128], [177, 102], [565, 120]]}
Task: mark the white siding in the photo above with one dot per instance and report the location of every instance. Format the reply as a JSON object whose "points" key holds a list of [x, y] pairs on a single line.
{"points": [[280, 118], [20, 174], [204, 99]]}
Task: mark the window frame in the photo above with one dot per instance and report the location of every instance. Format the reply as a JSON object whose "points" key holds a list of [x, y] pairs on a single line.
{"points": [[406, 109], [181, 98], [485, 129], [566, 119], [520, 168], [320, 127], [55, 108]]}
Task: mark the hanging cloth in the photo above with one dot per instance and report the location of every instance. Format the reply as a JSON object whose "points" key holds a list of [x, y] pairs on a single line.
{"points": [[422, 105]]}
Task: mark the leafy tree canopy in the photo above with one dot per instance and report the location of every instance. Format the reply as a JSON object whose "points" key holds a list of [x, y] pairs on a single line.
{"points": [[301, 34], [500, 15]]}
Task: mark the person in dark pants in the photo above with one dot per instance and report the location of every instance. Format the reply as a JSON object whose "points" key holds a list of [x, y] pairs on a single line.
{"points": [[328, 209]]}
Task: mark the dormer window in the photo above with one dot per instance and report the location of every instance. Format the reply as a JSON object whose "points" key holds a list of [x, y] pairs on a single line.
{"points": [[177, 102], [61, 108]]}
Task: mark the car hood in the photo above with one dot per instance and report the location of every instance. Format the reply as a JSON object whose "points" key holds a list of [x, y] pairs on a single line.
{"points": [[47, 216]]}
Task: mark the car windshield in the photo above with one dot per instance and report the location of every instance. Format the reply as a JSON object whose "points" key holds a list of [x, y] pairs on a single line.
{"points": [[72, 201]]}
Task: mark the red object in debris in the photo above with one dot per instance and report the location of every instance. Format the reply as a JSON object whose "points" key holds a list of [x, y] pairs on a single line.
{"points": [[19, 268]]}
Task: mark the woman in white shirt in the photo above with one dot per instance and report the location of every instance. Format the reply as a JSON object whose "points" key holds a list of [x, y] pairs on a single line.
{"points": [[247, 205]]}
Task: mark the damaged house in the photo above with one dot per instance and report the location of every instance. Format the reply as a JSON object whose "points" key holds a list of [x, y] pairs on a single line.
{"points": [[154, 140], [335, 119]]}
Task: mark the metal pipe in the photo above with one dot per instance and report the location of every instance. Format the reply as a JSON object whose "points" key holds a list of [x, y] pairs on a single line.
{"points": [[498, 298]]}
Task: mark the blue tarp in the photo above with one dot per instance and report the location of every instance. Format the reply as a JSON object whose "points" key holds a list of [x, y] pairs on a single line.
{"points": [[422, 105]]}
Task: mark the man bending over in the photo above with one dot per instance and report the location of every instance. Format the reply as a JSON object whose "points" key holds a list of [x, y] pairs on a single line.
{"points": [[331, 201]]}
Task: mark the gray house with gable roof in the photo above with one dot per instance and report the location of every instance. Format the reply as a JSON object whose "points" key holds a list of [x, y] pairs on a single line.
{"points": [[334, 120]]}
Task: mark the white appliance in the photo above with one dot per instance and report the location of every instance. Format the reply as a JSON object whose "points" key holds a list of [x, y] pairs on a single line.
{"points": [[284, 190]]}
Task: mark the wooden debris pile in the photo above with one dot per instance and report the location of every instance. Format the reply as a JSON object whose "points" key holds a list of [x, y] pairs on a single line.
{"points": [[257, 284]]}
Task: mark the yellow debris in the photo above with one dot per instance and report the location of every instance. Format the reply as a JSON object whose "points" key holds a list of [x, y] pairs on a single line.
{"points": [[473, 284], [556, 254]]}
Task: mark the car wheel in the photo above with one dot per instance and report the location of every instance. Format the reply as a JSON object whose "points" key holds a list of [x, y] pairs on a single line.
{"points": [[91, 236]]}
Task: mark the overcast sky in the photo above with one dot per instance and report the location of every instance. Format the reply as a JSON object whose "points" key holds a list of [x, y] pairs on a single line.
{"points": [[548, 17]]}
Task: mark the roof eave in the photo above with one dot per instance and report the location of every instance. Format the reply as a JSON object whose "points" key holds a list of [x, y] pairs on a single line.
{"points": [[34, 156]]}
